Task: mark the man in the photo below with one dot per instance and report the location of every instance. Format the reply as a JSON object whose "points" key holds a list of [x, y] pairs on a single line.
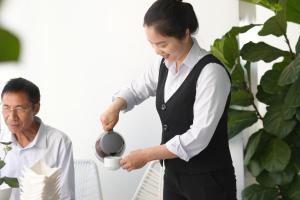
{"points": [[32, 140]]}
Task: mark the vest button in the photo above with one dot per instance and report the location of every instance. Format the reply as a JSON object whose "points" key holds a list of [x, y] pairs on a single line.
{"points": [[165, 127], [163, 107]]}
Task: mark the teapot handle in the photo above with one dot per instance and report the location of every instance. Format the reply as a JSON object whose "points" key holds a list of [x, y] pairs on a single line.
{"points": [[109, 131]]}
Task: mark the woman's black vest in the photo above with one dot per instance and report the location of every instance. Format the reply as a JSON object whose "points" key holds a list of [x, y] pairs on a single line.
{"points": [[177, 116]]}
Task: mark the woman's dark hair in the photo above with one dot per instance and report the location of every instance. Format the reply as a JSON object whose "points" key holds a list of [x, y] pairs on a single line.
{"points": [[171, 18], [22, 85]]}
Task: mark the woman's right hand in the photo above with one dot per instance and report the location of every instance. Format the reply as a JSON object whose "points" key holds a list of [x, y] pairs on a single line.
{"points": [[109, 119], [111, 116]]}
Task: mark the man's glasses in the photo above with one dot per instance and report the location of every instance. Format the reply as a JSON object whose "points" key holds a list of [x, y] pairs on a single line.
{"points": [[18, 109]]}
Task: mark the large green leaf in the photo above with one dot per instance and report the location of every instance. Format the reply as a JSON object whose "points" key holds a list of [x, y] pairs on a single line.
{"points": [[276, 156], [257, 192], [269, 81], [293, 139], [9, 46], [241, 97], [275, 121], [265, 180], [261, 51], [226, 49], [291, 73], [252, 145], [268, 179], [276, 25], [238, 77], [254, 166], [280, 66], [234, 31], [293, 8], [272, 5], [5, 143], [288, 113], [231, 50], [239, 120], [293, 11], [12, 182], [2, 163], [268, 99], [294, 190], [217, 50], [292, 99]]}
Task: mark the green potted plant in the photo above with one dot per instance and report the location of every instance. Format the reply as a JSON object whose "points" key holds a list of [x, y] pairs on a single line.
{"points": [[11, 182], [272, 154]]}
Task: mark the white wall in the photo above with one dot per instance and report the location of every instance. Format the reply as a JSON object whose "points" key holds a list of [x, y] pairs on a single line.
{"points": [[79, 52]]}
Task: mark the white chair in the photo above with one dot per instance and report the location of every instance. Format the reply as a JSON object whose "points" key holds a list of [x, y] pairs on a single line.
{"points": [[151, 185], [87, 182]]}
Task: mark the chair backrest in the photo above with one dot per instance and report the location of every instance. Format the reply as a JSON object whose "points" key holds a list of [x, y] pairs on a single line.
{"points": [[151, 185], [87, 182]]}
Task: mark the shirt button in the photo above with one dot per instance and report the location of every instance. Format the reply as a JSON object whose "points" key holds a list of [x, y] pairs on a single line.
{"points": [[163, 107], [165, 127]]}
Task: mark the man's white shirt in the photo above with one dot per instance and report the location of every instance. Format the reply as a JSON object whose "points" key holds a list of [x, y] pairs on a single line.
{"points": [[51, 145]]}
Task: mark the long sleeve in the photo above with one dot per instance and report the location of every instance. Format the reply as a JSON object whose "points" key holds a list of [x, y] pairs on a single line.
{"points": [[66, 165], [213, 88], [141, 88]]}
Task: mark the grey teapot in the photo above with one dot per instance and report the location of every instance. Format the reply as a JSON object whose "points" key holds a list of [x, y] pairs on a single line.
{"points": [[109, 144]]}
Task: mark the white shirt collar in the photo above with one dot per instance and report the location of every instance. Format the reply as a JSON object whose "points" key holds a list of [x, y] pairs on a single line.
{"points": [[39, 141], [192, 58]]}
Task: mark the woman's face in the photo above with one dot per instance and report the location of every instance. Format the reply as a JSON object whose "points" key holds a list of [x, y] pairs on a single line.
{"points": [[170, 48]]}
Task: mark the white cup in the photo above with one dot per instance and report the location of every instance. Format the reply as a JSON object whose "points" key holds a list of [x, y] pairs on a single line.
{"points": [[5, 192], [112, 162]]}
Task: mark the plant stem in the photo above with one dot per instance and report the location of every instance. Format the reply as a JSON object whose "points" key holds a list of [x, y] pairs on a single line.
{"points": [[256, 110], [253, 103], [289, 45], [248, 87]]}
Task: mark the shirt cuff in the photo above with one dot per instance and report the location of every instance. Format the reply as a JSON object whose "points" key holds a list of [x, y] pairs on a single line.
{"points": [[174, 146], [125, 94]]}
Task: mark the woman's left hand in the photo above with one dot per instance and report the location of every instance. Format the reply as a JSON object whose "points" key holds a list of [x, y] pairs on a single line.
{"points": [[134, 160]]}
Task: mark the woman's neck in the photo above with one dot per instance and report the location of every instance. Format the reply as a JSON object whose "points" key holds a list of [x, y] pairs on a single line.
{"points": [[186, 50]]}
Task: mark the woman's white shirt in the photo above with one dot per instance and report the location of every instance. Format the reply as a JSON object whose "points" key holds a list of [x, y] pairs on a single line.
{"points": [[212, 90]]}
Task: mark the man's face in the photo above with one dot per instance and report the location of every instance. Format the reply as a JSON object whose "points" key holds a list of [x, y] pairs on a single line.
{"points": [[18, 111]]}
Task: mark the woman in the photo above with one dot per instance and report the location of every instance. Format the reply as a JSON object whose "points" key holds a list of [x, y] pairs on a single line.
{"points": [[192, 90]]}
